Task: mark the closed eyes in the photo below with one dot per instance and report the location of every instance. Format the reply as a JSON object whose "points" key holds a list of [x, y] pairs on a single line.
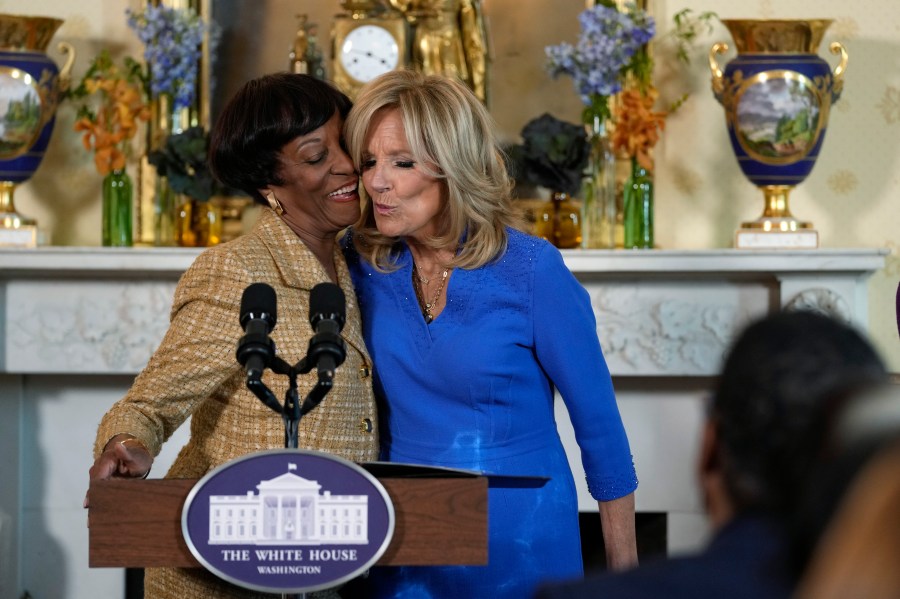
{"points": [[404, 164]]}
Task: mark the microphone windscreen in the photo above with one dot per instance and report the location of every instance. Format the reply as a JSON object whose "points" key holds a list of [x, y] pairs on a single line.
{"points": [[258, 299], [326, 300]]}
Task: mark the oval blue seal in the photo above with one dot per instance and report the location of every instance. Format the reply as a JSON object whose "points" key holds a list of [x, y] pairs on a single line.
{"points": [[288, 521]]}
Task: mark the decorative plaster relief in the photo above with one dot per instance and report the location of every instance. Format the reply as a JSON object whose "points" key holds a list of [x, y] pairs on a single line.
{"points": [[823, 301], [85, 327], [670, 329]]}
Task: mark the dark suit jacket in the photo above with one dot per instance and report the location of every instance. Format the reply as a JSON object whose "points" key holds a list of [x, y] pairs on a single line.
{"points": [[742, 561]]}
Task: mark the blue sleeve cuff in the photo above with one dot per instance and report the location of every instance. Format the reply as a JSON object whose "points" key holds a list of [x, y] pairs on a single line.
{"points": [[607, 488]]}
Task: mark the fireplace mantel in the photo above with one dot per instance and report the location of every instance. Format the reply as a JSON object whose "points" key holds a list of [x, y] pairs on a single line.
{"points": [[78, 323], [104, 310]]}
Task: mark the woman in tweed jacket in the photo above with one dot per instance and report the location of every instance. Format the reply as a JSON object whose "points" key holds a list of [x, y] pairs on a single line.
{"points": [[279, 140]]}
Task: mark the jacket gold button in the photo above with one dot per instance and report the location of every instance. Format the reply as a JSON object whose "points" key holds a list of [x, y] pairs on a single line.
{"points": [[365, 425], [363, 372]]}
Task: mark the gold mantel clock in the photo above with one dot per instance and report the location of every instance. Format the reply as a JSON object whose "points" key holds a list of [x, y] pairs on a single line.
{"points": [[367, 41]]}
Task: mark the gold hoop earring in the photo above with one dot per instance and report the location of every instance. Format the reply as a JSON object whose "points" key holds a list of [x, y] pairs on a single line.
{"points": [[274, 204]]}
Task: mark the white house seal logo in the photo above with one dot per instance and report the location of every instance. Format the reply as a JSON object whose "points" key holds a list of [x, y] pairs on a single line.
{"points": [[288, 521]]}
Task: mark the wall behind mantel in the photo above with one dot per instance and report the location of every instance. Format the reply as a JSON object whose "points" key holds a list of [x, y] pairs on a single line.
{"points": [[852, 196]]}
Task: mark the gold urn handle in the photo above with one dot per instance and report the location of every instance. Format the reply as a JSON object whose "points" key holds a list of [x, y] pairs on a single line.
{"points": [[838, 48], [52, 91], [65, 74], [718, 83], [837, 86]]}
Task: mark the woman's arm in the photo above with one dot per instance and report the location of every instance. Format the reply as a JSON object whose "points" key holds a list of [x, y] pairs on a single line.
{"points": [[567, 347], [617, 519], [569, 350], [194, 358]]}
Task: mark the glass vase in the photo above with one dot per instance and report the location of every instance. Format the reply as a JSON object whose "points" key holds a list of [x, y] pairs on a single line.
{"points": [[197, 224], [118, 198], [598, 192], [560, 221], [156, 203], [639, 208]]}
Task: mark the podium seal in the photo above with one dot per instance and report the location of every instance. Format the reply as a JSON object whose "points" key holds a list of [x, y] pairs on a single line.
{"points": [[288, 521]]}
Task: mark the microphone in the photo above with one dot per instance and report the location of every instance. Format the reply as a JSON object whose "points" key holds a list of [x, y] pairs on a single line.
{"points": [[327, 314], [255, 349]]}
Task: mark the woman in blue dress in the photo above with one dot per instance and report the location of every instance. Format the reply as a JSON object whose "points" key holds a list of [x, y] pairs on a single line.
{"points": [[472, 326]]}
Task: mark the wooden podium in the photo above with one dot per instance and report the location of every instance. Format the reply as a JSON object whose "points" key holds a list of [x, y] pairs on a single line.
{"points": [[440, 519]]}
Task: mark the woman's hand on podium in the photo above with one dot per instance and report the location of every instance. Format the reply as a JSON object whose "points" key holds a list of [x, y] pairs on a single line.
{"points": [[123, 457]]}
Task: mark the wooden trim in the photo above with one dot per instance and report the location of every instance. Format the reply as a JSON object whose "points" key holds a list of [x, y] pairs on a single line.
{"points": [[137, 523]]}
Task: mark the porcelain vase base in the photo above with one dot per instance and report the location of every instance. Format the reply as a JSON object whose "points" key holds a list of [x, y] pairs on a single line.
{"points": [[758, 239], [776, 225], [15, 230]]}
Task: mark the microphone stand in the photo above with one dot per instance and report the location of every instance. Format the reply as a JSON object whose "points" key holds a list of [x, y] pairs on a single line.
{"points": [[326, 350], [292, 411]]}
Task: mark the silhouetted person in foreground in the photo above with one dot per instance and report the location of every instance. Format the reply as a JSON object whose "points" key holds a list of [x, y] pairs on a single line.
{"points": [[783, 380]]}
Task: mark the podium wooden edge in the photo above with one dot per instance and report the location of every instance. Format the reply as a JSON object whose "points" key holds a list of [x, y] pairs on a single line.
{"points": [[137, 523]]}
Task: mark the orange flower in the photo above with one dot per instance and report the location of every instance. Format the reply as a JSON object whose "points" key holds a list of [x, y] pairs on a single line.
{"points": [[110, 121], [109, 159], [638, 126]]}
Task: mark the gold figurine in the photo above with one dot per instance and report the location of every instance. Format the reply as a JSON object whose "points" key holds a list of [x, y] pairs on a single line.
{"points": [[298, 52], [449, 38], [306, 56]]}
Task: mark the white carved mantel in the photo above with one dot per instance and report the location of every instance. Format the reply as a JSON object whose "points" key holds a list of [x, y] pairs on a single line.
{"points": [[78, 323]]}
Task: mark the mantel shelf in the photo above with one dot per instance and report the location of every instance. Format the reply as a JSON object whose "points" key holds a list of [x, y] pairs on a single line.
{"points": [[105, 261]]}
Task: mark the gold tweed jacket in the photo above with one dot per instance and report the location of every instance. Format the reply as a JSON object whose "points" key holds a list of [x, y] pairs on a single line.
{"points": [[194, 373]]}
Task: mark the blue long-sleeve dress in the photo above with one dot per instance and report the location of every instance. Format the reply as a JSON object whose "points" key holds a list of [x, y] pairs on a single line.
{"points": [[474, 389]]}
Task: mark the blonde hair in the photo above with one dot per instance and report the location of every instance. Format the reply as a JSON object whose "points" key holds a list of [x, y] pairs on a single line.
{"points": [[447, 127]]}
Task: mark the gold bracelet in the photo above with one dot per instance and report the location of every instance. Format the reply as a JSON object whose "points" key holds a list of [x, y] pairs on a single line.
{"points": [[136, 440], [142, 446]]}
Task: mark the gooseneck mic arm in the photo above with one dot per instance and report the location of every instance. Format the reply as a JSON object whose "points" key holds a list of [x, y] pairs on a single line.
{"points": [[256, 350]]}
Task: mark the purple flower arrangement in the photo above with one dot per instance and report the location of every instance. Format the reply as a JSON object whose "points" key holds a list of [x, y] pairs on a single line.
{"points": [[172, 41], [608, 48]]}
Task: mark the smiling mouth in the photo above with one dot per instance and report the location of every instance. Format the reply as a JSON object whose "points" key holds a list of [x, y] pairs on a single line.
{"points": [[346, 192]]}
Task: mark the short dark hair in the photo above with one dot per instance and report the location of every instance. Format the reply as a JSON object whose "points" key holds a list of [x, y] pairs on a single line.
{"points": [[784, 378], [264, 115]]}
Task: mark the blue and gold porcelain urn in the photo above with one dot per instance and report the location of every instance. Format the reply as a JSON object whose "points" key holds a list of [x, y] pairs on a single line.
{"points": [[777, 94], [30, 89]]}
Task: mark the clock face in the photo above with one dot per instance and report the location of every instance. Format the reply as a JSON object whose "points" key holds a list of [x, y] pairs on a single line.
{"points": [[369, 51]]}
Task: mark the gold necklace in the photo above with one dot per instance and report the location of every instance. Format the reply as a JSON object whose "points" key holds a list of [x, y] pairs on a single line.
{"points": [[426, 306], [418, 273]]}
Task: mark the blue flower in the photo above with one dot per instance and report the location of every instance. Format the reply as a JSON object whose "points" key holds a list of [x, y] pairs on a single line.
{"points": [[601, 58], [172, 41]]}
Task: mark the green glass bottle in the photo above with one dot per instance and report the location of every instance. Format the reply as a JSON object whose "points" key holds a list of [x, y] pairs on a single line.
{"points": [[639, 208], [118, 196]]}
